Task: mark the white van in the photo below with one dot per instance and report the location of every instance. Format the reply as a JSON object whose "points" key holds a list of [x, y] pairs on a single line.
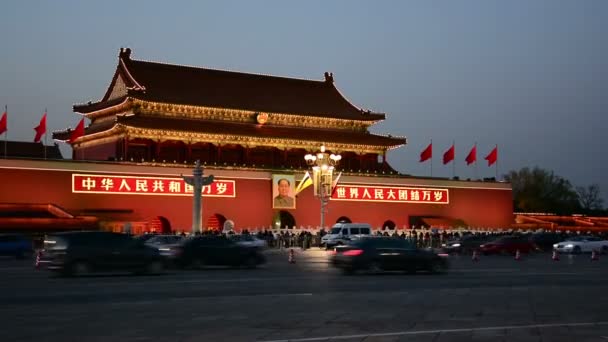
{"points": [[342, 233]]}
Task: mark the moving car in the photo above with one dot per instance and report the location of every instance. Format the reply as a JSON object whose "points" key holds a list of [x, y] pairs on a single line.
{"points": [[508, 245], [465, 244], [581, 244], [15, 245], [248, 240], [216, 250], [343, 233], [165, 244], [84, 252], [377, 254], [544, 241]]}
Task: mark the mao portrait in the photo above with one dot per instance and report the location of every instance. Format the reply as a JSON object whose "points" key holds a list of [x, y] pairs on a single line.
{"points": [[283, 192]]}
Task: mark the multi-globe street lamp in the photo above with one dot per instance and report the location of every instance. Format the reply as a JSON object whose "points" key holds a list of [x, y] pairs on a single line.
{"points": [[323, 165]]}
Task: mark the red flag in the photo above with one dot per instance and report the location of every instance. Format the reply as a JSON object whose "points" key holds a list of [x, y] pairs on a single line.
{"points": [[448, 156], [3, 125], [472, 157], [40, 129], [427, 153], [334, 185], [77, 132], [492, 156]]}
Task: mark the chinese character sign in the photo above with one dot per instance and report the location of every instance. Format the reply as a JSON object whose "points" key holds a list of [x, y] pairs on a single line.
{"points": [[390, 194], [133, 185]]}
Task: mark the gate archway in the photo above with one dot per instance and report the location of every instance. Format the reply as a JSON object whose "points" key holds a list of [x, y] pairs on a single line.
{"points": [[343, 219], [283, 219], [215, 222], [160, 225], [388, 224]]}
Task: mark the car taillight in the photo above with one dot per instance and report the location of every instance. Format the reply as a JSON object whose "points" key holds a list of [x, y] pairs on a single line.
{"points": [[333, 252], [353, 252]]}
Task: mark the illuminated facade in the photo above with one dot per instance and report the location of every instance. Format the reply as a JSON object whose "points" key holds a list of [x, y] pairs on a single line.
{"points": [[156, 119]]}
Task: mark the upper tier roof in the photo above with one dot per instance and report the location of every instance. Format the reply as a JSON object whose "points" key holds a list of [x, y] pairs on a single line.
{"points": [[240, 129], [186, 85]]}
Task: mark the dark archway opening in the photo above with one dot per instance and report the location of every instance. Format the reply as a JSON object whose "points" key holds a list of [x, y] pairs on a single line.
{"points": [[343, 219], [284, 220], [160, 225], [165, 225], [215, 222], [390, 225]]}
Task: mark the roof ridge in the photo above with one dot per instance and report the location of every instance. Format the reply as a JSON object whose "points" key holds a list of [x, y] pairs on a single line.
{"points": [[323, 81], [136, 118]]}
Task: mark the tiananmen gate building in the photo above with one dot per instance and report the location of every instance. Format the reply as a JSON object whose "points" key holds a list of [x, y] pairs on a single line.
{"points": [[249, 131]]}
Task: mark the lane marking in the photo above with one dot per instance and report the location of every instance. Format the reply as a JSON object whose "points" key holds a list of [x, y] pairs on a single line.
{"points": [[190, 298], [443, 331]]}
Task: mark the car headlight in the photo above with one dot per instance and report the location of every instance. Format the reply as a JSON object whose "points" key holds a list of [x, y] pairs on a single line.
{"points": [[456, 245], [482, 246], [555, 245], [569, 245]]}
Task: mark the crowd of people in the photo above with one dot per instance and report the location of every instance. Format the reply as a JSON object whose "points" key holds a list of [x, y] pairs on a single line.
{"points": [[422, 238]]}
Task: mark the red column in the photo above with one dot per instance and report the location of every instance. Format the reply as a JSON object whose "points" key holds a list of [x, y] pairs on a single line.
{"points": [[189, 151], [125, 145], [285, 157], [157, 151]]}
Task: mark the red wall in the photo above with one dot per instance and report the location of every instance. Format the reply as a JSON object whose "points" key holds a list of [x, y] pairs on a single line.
{"points": [[45, 183]]}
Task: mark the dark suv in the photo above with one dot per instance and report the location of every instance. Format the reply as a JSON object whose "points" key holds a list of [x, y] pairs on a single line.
{"points": [[80, 253], [216, 250], [378, 254], [15, 245], [465, 244]]}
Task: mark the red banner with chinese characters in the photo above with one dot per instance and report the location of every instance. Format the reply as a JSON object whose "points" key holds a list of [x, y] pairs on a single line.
{"points": [[370, 193], [135, 185]]}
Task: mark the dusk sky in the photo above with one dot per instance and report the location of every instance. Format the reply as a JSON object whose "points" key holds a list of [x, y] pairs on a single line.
{"points": [[529, 76]]}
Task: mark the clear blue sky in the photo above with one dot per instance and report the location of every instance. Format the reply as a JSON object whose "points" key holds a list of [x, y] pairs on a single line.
{"points": [[530, 76]]}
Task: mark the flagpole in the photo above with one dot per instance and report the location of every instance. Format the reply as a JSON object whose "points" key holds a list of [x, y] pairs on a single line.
{"points": [[496, 147], [44, 144], [454, 159], [431, 158], [6, 131], [476, 169]]}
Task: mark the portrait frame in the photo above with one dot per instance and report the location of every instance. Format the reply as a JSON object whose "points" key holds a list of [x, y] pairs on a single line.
{"points": [[277, 202]]}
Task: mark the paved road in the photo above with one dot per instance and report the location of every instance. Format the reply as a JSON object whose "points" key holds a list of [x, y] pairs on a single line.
{"points": [[494, 299]]}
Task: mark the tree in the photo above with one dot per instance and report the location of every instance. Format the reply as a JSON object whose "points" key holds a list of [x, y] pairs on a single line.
{"points": [[542, 191], [589, 198]]}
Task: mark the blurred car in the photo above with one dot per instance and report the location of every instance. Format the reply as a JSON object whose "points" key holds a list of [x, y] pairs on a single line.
{"points": [[84, 252], [248, 241], [544, 241], [377, 254], [144, 237], [465, 244], [15, 245], [580, 244], [165, 243], [215, 250], [507, 245]]}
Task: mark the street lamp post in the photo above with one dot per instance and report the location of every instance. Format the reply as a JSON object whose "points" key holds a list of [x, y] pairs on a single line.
{"points": [[322, 164]]}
